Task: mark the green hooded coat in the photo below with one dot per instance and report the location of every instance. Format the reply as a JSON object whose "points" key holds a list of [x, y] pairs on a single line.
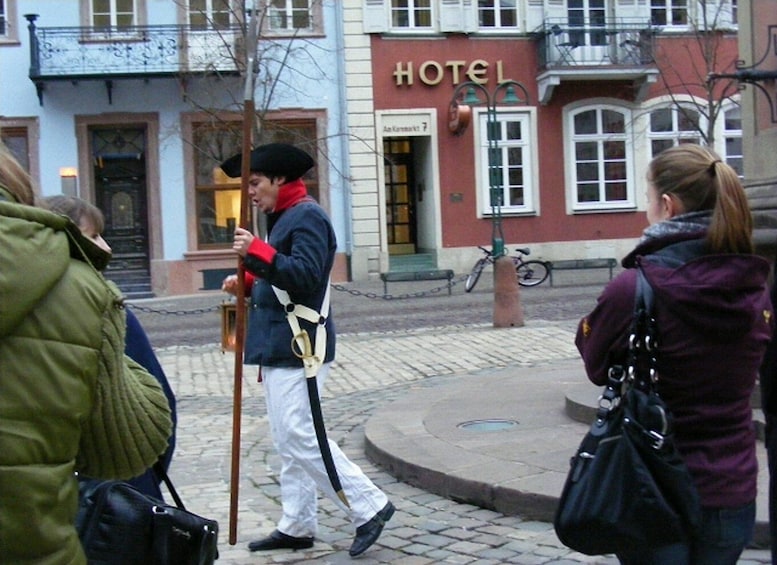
{"points": [[70, 400]]}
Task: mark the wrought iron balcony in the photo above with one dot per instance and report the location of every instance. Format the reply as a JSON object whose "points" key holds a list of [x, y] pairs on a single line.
{"points": [[613, 50], [131, 52], [562, 44]]}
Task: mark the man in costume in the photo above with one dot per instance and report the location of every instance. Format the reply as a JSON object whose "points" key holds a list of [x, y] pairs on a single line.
{"points": [[291, 336]]}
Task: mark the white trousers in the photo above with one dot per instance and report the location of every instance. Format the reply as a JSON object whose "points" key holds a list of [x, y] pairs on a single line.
{"points": [[302, 467]]}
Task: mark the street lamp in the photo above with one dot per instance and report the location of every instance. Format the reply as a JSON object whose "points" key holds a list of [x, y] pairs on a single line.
{"points": [[471, 93]]}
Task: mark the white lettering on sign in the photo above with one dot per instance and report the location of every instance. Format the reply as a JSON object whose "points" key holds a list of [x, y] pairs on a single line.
{"points": [[432, 73]]}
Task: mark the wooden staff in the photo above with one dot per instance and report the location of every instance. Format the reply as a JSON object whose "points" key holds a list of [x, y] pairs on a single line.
{"points": [[245, 171]]}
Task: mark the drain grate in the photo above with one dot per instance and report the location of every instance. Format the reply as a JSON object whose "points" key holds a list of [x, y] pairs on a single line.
{"points": [[492, 425]]}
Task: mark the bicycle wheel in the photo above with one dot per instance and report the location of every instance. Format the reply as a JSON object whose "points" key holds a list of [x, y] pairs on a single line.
{"points": [[474, 275], [531, 273]]}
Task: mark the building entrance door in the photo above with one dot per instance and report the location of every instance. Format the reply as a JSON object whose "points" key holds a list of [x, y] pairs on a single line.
{"points": [[121, 194], [401, 226]]}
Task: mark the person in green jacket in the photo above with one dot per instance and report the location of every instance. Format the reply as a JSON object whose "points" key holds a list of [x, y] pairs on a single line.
{"points": [[70, 399], [90, 220]]}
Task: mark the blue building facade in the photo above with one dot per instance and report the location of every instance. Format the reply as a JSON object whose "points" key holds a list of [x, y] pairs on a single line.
{"points": [[132, 104]]}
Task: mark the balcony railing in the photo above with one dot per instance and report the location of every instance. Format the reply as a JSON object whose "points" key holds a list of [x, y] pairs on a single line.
{"points": [[561, 44], [72, 53]]}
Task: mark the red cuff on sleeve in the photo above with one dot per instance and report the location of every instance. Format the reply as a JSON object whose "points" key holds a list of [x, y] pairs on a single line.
{"points": [[264, 251], [248, 281]]}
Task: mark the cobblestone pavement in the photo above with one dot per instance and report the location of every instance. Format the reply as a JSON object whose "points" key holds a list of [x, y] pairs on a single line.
{"points": [[372, 370]]}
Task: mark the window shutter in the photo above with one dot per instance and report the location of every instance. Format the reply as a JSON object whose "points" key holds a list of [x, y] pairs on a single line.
{"points": [[470, 17], [535, 15], [457, 16], [451, 16], [557, 9], [375, 18]]}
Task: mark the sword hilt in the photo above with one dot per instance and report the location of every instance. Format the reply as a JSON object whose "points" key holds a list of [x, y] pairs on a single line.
{"points": [[303, 349]]}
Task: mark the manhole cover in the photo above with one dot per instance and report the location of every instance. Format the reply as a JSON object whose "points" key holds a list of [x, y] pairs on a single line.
{"points": [[488, 425]]}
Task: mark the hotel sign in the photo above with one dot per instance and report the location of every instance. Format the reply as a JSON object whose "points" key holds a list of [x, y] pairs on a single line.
{"points": [[432, 73]]}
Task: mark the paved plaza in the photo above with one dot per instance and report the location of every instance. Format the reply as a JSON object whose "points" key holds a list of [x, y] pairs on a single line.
{"points": [[408, 390]]}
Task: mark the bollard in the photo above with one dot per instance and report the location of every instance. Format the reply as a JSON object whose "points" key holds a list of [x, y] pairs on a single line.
{"points": [[507, 297]]}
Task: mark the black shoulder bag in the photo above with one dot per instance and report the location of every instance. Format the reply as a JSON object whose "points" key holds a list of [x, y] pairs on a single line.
{"points": [[628, 485], [119, 525]]}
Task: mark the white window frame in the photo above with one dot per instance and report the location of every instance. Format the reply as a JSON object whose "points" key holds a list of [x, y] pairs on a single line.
{"points": [[412, 26], [496, 9], [592, 17], [572, 138], [113, 14], [286, 12], [527, 116], [669, 7], [675, 135], [10, 31], [222, 7], [315, 20], [87, 21], [724, 134]]}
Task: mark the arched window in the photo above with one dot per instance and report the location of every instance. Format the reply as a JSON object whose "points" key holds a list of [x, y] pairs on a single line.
{"points": [[731, 145], [673, 125]]}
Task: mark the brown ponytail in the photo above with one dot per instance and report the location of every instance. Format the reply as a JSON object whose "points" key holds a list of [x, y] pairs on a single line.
{"points": [[702, 181], [731, 229]]}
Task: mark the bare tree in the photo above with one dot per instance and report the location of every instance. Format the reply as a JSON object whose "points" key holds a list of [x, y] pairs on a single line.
{"points": [[686, 61], [280, 65]]}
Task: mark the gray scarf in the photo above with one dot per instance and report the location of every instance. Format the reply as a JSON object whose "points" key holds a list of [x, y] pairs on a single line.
{"points": [[692, 222]]}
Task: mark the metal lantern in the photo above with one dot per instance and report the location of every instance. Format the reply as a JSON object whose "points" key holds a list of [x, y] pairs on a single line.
{"points": [[229, 326]]}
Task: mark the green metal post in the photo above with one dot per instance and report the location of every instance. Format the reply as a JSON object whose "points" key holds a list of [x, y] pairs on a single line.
{"points": [[493, 129], [495, 181]]}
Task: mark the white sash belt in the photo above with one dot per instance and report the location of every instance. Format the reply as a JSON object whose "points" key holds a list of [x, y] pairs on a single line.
{"points": [[300, 341]]}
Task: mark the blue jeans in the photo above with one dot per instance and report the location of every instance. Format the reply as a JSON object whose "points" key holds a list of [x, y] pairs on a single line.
{"points": [[724, 534], [771, 452]]}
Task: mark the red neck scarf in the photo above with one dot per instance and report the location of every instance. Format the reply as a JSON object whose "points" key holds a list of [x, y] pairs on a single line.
{"points": [[290, 194]]}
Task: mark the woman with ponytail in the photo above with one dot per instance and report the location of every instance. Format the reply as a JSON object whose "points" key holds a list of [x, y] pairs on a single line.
{"points": [[714, 319]]}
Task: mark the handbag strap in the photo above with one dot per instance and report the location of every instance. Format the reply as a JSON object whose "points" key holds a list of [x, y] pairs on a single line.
{"points": [[641, 366], [160, 472], [643, 342]]}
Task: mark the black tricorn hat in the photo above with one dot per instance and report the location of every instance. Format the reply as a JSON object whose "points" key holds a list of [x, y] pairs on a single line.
{"points": [[273, 160]]}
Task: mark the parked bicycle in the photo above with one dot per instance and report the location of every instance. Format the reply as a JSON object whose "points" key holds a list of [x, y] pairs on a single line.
{"points": [[529, 273]]}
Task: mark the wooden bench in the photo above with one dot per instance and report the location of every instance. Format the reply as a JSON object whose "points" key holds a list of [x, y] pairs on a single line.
{"points": [[426, 275], [573, 264]]}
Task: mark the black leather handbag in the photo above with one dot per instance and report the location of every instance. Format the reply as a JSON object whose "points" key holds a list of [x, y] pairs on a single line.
{"points": [[119, 525], [628, 485]]}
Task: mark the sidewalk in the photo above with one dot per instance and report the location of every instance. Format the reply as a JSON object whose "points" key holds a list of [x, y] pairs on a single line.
{"points": [[466, 423], [498, 439]]}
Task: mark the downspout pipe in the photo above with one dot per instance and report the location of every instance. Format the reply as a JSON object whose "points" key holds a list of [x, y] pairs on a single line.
{"points": [[344, 137]]}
